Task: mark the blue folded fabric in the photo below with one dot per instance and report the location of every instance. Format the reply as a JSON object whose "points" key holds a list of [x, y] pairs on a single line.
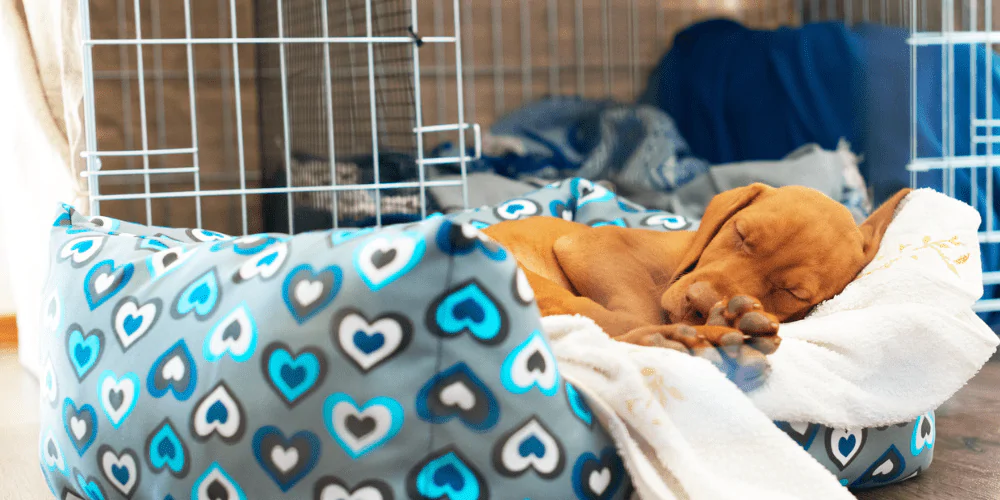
{"points": [[556, 137], [738, 94]]}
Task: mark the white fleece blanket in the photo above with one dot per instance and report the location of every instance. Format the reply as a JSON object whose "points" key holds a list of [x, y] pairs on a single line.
{"points": [[899, 341]]}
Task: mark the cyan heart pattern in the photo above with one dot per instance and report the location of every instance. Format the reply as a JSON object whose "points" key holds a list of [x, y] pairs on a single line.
{"points": [[196, 365], [406, 362]]}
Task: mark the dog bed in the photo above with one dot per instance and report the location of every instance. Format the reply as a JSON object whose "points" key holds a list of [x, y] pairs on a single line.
{"points": [[404, 362]]}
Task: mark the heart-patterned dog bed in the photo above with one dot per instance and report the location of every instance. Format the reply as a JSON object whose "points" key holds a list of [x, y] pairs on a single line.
{"points": [[401, 363], [406, 362]]}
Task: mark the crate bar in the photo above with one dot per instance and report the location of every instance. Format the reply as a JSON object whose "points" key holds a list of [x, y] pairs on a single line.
{"points": [[974, 178], [442, 128], [272, 40], [142, 110], [606, 39], [444, 160], [988, 26], [986, 305], [498, 62], [126, 85], [992, 278], [418, 111], [914, 161], [152, 171], [926, 164], [148, 152], [158, 90], [439, 56], [553, 26], [328, 88], [284, 190], [461, 105], [578, 34], [957, 37], [526, 82], [194, 112], [88, 104], [286, 127], [374, 113], [239, 116], [470, 63]]}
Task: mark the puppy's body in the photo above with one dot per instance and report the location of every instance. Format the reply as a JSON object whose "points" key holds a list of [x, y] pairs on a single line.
{"points": [[779, 250]]}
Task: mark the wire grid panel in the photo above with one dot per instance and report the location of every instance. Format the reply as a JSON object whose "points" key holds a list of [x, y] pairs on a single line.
{"points": [[965, 162], [177, 126]]}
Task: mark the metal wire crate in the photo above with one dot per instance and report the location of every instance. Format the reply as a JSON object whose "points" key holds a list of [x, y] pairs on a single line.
{"points": [[237, 114]]}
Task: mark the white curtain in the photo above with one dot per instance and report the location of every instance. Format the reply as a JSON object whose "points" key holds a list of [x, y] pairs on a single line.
{"points": [[40, 140]]}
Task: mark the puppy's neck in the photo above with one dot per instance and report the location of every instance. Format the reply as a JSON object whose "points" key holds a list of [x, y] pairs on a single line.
{"points": [[660, 254]]}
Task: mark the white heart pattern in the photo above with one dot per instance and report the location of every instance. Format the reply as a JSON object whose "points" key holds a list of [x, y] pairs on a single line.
{"points": [[103, 281], [132, 321], [306, 292], [331, 488], [52, 455], [599, 480], [121, 470], [264, 264], [78, 426], [844, 445], [52, 312], [368, 344], [161, 263], [284, 459], [235, 334], [360, 430], [384, 259], [522, 289], [118, 396], [457, 394], [219, 413], [173, 369], [666, 221], [924, 434], [49, 384], [530, 445], [531, 364], [516, 209], [80, 250]]}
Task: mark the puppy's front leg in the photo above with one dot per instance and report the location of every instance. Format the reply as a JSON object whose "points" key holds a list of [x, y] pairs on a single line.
{"points": [[603, 267], [732, 325], [555, 300]]}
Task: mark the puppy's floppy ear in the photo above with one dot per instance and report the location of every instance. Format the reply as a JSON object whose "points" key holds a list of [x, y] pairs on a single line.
{"points": [[873, 228], [722, 207]]}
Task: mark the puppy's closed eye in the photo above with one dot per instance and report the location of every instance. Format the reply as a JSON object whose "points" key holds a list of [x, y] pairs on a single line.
{"points": [[799, 293], [741, 235]]}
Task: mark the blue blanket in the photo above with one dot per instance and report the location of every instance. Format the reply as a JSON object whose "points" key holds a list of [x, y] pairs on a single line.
{"points": [[738, 94]]}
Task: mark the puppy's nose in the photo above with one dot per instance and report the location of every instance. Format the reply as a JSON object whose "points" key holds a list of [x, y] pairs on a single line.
{"points": [[702, 296]]}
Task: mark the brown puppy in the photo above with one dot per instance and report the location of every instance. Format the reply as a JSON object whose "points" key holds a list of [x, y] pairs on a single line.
{"points": [[758, 248]]}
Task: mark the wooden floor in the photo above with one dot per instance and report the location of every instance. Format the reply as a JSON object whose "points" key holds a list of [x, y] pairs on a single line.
{"points": [[967, 452], [966, 457]]}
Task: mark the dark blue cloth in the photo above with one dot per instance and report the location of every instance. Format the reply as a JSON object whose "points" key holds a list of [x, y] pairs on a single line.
{"points": [[738, 94]]}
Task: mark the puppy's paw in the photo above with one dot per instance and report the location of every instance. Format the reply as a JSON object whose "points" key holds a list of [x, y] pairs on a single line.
{"points": [[723, 346], [746, 323]]}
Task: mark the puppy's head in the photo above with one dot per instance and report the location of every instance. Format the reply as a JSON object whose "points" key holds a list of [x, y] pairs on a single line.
{"points": [[790, 247]]}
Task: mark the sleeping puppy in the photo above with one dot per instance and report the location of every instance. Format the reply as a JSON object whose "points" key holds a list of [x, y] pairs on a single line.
{"points": [[761, 256]]}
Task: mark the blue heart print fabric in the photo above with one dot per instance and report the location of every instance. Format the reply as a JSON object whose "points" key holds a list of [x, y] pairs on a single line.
{"points": [[407, 362], [402, 363]]}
